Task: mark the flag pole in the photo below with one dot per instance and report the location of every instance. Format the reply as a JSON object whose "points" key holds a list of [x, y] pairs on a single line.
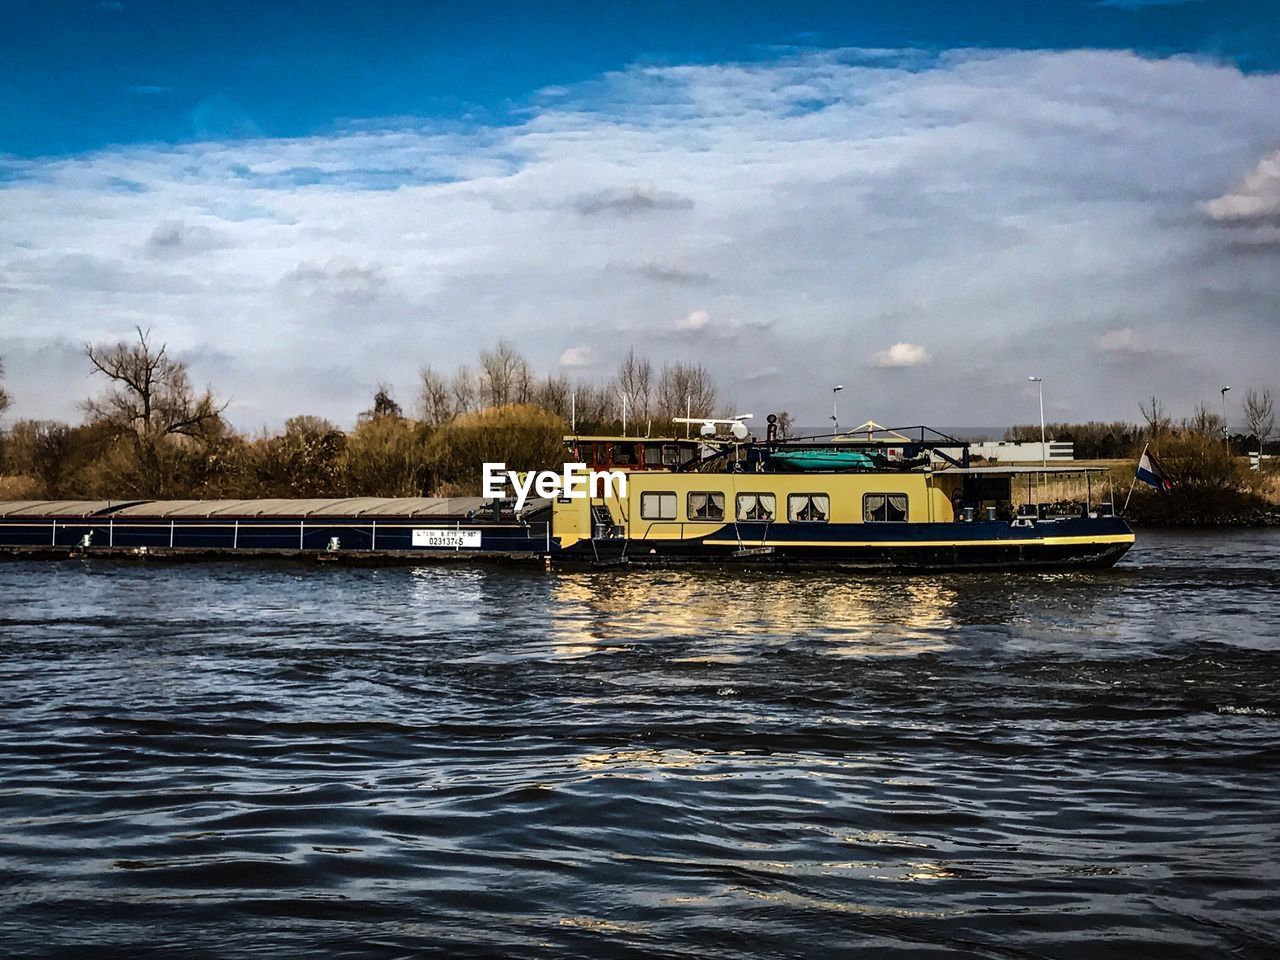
{"points": [[1125, 508]]}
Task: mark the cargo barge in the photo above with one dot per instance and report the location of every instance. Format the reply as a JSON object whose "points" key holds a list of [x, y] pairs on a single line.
{"points": [[875, 498], [356, 528]]}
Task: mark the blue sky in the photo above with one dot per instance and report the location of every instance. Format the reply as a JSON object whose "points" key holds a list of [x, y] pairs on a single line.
{"points": [[927, 200], [82, 74]]}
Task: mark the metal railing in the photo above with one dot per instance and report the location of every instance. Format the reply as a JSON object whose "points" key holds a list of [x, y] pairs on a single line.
{"points": [[236, 534]]}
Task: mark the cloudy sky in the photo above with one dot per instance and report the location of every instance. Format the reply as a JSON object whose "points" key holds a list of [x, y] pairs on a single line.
{"points": [[926, 203]]}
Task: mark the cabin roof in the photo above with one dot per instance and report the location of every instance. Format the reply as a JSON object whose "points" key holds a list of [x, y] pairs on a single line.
{"points": [[370, 507], [59, 508], [617, 438]]}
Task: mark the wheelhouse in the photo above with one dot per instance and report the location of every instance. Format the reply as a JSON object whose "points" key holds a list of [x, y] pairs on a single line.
{"points": [[633, 453]]}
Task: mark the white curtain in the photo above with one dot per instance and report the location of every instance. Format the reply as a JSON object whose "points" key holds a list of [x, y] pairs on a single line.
{"points": [[809, 507], [755, 506], [706, 506]]}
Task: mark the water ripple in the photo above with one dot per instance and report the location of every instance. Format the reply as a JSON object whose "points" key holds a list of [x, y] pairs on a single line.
{"points": [[266, 759]]}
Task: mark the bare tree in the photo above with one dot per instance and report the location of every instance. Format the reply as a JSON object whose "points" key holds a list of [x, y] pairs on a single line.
{"points": [[1260, 415], [1206, 422], [151, 401], [504, 376], [635, 386], [596, 406], [435, 399], [1153, 413], [465, 390], [4, 396], [553, 395], [685, 386]]}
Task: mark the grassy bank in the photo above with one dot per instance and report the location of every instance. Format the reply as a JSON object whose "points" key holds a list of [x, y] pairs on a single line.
{"points": [[1230, 495]]}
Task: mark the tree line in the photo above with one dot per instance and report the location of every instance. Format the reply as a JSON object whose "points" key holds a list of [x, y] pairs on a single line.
{"points": [[151, 434], [1121, 439]]}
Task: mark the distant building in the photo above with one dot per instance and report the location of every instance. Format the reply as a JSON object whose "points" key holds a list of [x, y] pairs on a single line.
{"points": [[1006, 451]]}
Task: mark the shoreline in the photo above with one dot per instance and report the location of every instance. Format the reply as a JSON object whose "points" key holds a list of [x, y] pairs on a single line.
{"points": [[1264, 521]]}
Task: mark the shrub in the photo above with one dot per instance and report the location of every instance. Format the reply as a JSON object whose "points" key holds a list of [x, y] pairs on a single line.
{"points": [[523, 437], [1209, 485], [386, 457], [305, 461]]}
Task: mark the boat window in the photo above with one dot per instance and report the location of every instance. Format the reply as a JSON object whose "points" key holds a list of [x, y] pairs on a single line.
{"points": [[670, 455], [706, 506], [688, 454], [884, 508], [756, 506], [653, 455], [601, 456], [809, 507], [657, 506], [624, 454]]}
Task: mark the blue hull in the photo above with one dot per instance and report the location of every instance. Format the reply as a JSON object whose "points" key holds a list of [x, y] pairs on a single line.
{"points": [[1064, 543], [273, 534]]}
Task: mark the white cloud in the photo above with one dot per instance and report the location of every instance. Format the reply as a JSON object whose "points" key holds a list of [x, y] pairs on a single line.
{"points": [[901, 355], [1002, 207], [576, 357], [697, 320], [173, 238], [1123, 340], [339, 278], [1255, 203], [631, 201]]}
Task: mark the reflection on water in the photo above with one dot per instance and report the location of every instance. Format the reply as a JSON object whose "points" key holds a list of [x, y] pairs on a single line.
{"points": [[268, 759], [886, 617]]}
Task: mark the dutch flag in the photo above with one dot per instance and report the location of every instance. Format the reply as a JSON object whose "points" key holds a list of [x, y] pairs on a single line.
{"points": [[1150, 472]]}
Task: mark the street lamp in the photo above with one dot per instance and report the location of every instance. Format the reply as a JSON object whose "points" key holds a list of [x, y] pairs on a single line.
{"points": [[1226, 434], [835, 420], [1044, 450]]}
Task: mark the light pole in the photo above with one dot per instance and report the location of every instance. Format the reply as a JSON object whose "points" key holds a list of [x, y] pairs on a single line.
{"points": [[835, 420], [1044, 450], [1226, 434]]}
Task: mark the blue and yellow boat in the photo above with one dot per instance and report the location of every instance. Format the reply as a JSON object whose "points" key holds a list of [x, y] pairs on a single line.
{"points": [[898, 499]]}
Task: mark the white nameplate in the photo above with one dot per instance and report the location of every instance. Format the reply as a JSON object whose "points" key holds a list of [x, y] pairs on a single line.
{"points": [[452, 539]]}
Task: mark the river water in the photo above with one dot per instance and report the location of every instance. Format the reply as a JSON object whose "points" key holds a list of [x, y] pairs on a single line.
{"points": [[256, 759]]}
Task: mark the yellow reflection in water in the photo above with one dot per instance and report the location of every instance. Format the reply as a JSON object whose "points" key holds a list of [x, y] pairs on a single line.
{"points": [[598, 925], [654, 758], [931, 871], [872, 617], [817, 904]]}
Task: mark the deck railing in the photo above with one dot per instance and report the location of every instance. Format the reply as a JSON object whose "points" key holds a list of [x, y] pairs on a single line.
{"points": [[301, 535]]}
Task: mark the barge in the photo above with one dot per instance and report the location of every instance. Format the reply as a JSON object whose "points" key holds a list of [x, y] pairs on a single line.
{"points": [[875, 498], [354, 528], [904, 498]]}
